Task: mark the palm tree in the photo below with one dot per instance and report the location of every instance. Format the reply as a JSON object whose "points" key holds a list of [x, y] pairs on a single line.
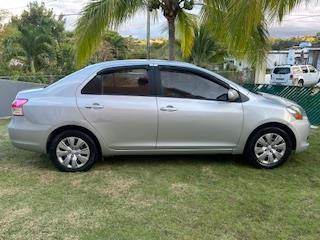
{"points": [[101, 14], [205, 48], [36, 46], [241, 25]]}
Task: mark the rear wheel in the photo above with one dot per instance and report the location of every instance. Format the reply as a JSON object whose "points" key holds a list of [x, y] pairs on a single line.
{"points": [[300, 83], [73, 151], [269, 148]]}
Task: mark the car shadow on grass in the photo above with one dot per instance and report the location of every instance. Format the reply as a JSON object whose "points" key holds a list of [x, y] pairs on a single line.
{"points": [[154, 160]]}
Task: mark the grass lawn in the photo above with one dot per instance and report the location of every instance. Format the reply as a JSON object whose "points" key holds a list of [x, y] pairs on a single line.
{"points": [[159, 197]]}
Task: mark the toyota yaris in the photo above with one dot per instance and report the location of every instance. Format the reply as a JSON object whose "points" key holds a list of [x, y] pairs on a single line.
{"points": [[154, 107]]}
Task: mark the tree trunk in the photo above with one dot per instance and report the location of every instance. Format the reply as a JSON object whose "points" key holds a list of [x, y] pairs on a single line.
{"points": [[172, 38], [32, 68]]}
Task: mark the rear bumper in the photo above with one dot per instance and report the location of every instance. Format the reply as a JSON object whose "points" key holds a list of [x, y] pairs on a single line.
{"points": [[302, 132], [285, 83], [26, 135]]}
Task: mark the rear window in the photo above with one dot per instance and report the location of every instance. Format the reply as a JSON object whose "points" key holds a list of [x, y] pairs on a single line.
{"points": [[282, 70]]}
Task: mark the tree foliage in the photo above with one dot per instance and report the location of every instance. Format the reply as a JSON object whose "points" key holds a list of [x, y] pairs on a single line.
{"points": [[99, 15], [206, 50], [241, 25]]}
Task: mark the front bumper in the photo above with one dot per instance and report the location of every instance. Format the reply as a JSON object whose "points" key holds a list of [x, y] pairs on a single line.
{"points": [[302, 132]]}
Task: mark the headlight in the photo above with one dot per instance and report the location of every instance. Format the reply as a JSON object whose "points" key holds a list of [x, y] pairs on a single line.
{"points": [[297, 112]]}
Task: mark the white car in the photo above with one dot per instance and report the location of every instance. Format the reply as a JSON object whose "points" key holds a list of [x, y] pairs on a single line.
{"points": [[296, 75]]}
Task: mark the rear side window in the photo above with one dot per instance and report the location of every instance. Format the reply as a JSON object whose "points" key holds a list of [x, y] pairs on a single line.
{"points": [[281, 70], [93, 87], [132, 82]]}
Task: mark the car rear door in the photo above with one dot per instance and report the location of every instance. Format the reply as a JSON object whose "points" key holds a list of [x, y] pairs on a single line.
{"points": [[121, 105], [306, 75], [194, 112], [314, 75]]}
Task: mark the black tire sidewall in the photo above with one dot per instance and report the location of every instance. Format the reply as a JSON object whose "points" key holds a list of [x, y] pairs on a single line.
{"points": [[94, 154], [250, 154], [302, 83]]}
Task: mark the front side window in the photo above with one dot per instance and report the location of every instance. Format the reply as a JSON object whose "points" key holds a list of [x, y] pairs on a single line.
{"points": [[312, 69], [188, 85], [133, 82]]}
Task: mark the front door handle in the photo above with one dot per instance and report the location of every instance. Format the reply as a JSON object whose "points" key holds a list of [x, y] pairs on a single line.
{"points": [[95, 106], [169, 108]]}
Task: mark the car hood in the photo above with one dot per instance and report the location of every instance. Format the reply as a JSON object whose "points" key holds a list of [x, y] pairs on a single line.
{"points": [[277, 99]]}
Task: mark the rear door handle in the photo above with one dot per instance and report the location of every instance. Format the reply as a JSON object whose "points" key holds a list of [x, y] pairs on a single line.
{"points": [[95, 106], [168, 108]]}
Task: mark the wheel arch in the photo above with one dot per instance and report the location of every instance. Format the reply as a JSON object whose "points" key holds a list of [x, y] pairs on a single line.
{"points": [[275, 124], [72, 127]]}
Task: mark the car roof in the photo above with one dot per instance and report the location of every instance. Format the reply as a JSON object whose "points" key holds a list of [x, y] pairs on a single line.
{"points": [[119, 63], [296, 65]]}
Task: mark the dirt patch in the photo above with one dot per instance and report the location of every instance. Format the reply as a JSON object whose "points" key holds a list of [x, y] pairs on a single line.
{"points": [[11, 215], [47, 178], [117, 187], [9, 191], [182, 189]]}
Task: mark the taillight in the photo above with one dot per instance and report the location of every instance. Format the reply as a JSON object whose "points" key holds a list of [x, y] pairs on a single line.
{"points": [[17, 105]]}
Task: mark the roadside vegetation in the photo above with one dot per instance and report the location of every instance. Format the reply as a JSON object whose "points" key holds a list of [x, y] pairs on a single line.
{"points": [[159, 197], [36, 47]]}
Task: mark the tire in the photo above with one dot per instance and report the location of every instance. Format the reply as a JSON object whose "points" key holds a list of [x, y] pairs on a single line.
{"points": [[300, 83], [73, 151], [260, 155]]}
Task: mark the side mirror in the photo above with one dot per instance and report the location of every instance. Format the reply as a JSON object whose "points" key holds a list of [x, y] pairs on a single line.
{"points": [[233, 95]]}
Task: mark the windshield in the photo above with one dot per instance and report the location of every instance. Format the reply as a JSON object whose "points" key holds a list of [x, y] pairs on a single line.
{"points": [[282, 70]]}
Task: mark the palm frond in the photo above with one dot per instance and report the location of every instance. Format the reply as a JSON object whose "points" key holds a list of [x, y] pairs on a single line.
{"points": [[206, 49], [186, 23], [96, 17], [241, 25]]}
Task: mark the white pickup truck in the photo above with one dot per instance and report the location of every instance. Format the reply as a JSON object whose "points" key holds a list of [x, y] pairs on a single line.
{"points": [[295, 75]]}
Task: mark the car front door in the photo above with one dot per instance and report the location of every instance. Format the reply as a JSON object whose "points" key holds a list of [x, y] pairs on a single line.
{"points": [[194, 112], [120, 105], [314, 75]]}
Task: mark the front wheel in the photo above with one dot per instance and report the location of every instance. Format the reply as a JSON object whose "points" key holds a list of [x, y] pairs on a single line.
{"points": [[269, 148], [73, 151]]}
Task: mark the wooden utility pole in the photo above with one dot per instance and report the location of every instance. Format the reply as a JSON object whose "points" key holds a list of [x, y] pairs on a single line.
{"points": [[148, 34]]}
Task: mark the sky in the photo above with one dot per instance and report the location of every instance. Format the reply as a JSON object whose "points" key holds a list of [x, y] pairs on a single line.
{"points": [[303, 20]]}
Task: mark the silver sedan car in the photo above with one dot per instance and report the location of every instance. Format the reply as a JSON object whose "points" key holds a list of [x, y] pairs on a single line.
{"points": [[154, 107]]}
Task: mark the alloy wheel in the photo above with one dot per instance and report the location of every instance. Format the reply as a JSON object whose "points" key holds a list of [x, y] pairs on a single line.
{"points": [[73, 152], [270, 148]]}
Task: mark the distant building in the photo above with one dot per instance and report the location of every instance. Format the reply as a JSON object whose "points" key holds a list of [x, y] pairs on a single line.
{"points": [[314, 57], [302, 54], [308, 55], [291, 56]]}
